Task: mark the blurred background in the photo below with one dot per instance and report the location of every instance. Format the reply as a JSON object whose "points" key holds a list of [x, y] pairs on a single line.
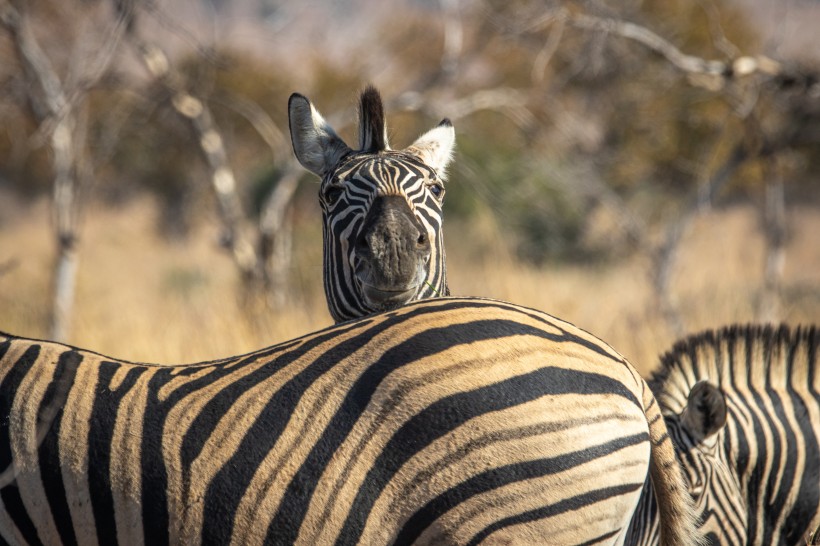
{"points": [[643, 169]]}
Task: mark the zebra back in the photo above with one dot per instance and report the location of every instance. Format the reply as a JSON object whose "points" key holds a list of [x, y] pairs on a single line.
{"points": [[448, 421], [743, 406]]}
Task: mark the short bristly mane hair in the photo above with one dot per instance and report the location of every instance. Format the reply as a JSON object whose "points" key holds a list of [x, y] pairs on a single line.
{"points": [[372, 124], [735, 356]]}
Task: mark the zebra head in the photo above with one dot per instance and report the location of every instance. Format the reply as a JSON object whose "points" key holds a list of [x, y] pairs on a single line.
{"points": [[381, 208], [742, 406]]}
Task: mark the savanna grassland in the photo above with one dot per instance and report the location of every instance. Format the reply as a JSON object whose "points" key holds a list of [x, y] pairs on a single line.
{"points": [[179, 134], [143, 297]]}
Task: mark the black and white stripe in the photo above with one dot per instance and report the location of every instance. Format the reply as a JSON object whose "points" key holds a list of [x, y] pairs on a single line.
{"points": [[355, 184], [365, 179], [447, 421], [742, 405]]}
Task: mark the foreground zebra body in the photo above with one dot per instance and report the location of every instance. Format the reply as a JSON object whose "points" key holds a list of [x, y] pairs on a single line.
{"points": [[381, 208], [743, 407], [448, 421]]}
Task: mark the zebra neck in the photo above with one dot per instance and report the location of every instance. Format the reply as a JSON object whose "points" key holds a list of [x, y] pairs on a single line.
{"points": [[437, 290]]}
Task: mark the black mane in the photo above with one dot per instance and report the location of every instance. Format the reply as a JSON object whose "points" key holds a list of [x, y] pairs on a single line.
{"points": [[372, 125], [704, 355]]}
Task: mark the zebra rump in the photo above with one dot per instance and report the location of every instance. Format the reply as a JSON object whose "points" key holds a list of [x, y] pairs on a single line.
{"points": [[447, 421]]}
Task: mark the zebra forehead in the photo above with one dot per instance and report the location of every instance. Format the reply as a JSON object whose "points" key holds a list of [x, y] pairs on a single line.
{"points": [[388, 166]]}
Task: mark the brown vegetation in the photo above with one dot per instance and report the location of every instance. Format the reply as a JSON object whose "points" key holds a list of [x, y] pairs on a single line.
{"points": [[143, 297], [643, 170]]}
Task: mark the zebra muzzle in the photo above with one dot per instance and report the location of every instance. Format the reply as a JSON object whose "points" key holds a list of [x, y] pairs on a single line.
{"points": [[386, 299], [391, 253]]}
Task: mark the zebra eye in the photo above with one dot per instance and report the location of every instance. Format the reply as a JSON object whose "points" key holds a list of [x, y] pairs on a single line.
{"points": [[437, 190], [332, 194]]}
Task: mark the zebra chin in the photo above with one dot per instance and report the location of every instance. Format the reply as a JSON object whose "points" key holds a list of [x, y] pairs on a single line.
{"points": [[385, 299]]}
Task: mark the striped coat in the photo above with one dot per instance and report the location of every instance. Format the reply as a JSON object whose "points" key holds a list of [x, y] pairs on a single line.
{"points": [[743, 407], [447, 421]]}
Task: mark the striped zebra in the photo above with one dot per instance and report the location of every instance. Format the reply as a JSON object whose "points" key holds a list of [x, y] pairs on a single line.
{"points": [[814, 537], [446, 421], [743, 407], [381, 208]]}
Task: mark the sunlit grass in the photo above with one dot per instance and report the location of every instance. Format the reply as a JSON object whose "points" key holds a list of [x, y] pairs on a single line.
{"points": [[141, 297]]}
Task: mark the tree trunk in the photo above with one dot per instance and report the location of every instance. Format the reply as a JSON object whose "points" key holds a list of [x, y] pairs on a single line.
{"points": [[774, 226]]}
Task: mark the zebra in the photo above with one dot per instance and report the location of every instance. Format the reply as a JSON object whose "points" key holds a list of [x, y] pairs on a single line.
{"points": [[814, 537], [381, 208], [445, 421], [742, 405]]}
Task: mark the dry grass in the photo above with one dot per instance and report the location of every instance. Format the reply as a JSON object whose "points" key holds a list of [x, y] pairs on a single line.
{"points": [[718, 281], [141, 297]]}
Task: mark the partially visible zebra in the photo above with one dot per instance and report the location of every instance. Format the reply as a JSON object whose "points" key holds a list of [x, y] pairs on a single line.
{"points": [[743, 407], [446, 421], [814, 537], [381, 208]]}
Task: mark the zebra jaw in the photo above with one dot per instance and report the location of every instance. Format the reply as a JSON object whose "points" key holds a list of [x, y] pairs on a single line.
{"points": [[387, 299], [382, 294]]}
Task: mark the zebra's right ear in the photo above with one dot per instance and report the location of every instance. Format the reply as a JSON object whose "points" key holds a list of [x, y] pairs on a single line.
{"points": [[316, 145], [705, 411], [435, 147]]}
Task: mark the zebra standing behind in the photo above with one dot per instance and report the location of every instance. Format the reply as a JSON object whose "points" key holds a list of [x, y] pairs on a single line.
{"points": [[381, 208], [446, 421], [743, 407]]}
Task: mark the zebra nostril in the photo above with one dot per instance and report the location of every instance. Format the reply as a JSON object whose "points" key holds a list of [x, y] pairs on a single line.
{"points": [[361, 245], [422, 240]]}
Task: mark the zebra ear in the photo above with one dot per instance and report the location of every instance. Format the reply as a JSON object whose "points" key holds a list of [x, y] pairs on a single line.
{"points": [[435, 147], [705, 411], [316, 145], [372, 125]]}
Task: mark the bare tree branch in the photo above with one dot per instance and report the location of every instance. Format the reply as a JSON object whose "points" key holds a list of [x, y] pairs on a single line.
{"points": [[84, 75], [35, 63], [48, 101], [275, 236], [202, 123], [709, 73], [691, 64], [774, 228], [665, 255], [507, 101], [539, 65], [270, 132], [716, 29], [631, 31], [713, 75], [275, 233], [273, 212]]}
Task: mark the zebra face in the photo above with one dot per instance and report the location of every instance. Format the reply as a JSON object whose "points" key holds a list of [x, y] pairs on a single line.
{"points": [[385, 213], [382, 209]]}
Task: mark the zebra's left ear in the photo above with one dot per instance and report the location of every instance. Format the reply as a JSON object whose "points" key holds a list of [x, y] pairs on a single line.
{"points": [[435, 147], [705, 411], [316, 145]]}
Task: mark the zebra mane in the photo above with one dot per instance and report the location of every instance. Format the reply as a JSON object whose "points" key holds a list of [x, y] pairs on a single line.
{"points": [[372, 124], [734, 357]]}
